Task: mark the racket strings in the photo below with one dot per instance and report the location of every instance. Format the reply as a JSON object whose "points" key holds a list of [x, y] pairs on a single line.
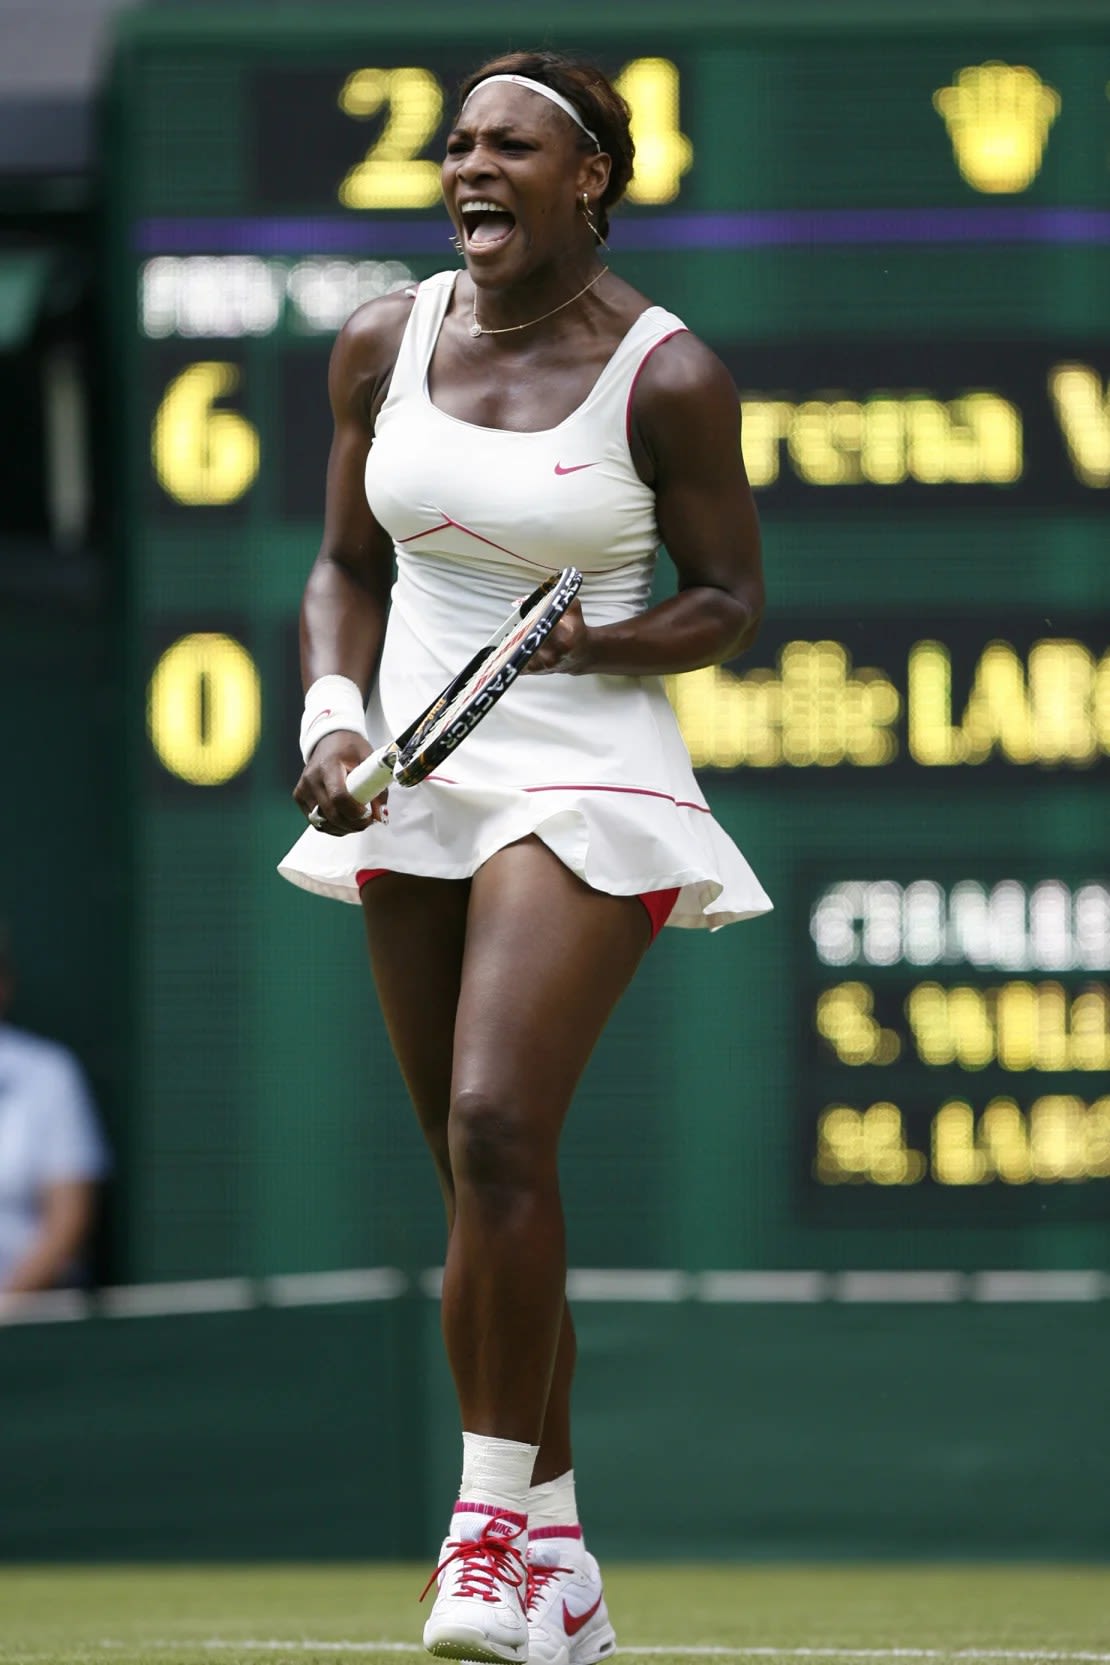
{"points": [[480, 684], [442, 706], [495, 661]]}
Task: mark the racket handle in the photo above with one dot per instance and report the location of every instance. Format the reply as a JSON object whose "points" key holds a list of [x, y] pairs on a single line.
{"points": [[373, 774]]}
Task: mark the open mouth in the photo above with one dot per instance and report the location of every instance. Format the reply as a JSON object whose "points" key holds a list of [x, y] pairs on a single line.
{"points": [[486, 225]]}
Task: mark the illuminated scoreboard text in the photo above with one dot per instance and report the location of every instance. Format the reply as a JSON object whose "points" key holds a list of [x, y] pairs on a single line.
{"points": [[960, 1033], [897, 240]]}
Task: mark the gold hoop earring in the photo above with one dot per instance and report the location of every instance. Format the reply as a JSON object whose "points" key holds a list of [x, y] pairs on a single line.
{"points": [[590, 221], [456, 242]]}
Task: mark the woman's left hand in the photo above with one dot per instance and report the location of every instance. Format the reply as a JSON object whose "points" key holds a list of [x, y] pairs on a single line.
{"points": [[569, 648]]}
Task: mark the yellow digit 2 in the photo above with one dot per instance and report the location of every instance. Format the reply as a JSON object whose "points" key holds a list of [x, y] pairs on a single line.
{"points": [[393, 174], [663, 152], [204, 708], [203, 455]]}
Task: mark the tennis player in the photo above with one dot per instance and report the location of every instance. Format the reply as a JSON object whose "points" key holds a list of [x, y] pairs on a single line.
{"points": [[528, 412]]}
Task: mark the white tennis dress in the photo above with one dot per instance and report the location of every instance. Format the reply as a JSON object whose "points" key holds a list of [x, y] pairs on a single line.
{"points": [[595, 766]]}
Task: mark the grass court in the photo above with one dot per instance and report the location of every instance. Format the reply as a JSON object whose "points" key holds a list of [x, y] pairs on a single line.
{"points": [[665, 1615]]}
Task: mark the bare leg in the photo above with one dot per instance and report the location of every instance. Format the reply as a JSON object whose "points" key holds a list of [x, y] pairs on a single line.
{"points": [[546, 960], [416, 933], [556, 1454]]}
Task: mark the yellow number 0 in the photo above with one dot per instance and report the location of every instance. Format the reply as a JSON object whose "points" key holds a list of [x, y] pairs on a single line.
{"points": [[204, 708], [393, 174], [202, 455]]}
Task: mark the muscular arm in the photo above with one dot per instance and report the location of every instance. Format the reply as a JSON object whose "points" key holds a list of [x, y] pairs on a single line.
{"points": [[345, 598], [686, 444], [347, 593]]}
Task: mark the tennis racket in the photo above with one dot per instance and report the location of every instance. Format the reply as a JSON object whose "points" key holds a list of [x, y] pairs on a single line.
{"points": [[472, 695]]}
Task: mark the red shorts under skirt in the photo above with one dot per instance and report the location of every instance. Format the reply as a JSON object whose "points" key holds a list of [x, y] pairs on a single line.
{"points": [[657, 902]]}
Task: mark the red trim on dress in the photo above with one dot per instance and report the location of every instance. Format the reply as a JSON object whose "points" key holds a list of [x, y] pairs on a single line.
{"points": [[468, 531], [365, 874], [570, 786], [659, 903], [638, 791], [639, 370]]}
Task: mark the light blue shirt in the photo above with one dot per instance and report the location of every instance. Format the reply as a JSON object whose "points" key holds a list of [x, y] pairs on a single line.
{"points": [[49, 1134]]}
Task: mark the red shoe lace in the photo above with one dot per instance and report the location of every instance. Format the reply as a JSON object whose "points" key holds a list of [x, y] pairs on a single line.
{"points": [[539, 1577], [489, 1560]]}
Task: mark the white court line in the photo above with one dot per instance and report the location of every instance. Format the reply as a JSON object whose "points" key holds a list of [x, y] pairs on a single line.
{"points": [[585, 1283], [306, 1645], [159, 1300], [617, 1284], [310, 1289], [1086, 1285]]}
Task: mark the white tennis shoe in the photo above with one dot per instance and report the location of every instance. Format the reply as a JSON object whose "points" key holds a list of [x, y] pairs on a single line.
{"points": [[479, 1607], [568, 1622]]}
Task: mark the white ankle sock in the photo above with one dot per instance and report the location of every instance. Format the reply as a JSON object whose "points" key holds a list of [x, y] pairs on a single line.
{"points": [[553, 1503], [497, 1472]]}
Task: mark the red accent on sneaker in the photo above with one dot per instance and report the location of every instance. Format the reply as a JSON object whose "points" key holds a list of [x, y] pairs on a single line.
{"points": [[463, 1507], [488, 1560], [538, 1532], [539, 1577], [573, 1622]]}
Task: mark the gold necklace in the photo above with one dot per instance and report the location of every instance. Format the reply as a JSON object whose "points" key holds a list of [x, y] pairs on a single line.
{"points": [[477, 329]]}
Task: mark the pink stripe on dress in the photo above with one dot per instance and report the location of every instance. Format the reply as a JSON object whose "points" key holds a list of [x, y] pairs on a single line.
{"points": [[636, 791], [639, 372]]}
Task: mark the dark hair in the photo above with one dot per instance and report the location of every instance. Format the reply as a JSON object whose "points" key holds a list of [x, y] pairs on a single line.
{"points": [[595, 98]]}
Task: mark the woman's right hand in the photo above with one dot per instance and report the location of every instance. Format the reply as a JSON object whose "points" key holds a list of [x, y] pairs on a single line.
{"points": [[322, 787]]}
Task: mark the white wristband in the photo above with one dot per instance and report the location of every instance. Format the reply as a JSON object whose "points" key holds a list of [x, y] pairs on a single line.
{"points": [[332, 703]]}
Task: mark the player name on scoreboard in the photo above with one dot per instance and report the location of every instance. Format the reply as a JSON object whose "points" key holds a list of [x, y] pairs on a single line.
{"points": [[892, 694], [999, 419], [963, 422], [1029, 703], [930, 1061], [887, 697], [1057, 1138]]}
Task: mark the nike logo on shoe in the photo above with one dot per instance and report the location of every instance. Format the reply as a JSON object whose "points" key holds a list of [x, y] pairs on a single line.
{"points": [[573, 1622], [575, 468]]}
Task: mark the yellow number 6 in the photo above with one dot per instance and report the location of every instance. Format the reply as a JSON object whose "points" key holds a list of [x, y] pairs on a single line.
{"points": [[202, 455]]}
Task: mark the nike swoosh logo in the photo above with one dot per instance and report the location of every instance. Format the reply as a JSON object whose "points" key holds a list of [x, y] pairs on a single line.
{"points": [[572, 1622], [575, 468]]}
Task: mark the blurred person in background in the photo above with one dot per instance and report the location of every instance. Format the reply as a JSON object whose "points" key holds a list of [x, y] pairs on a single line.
{"points": [[52, 1157]]}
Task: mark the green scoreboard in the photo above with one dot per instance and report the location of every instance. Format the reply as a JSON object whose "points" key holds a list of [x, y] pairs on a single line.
{"points": [[894, 227]]}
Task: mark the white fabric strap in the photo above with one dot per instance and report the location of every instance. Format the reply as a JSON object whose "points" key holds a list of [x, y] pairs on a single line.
{"points": [[545, 92], [332, 703], [553, 1503], [496, 1471]]}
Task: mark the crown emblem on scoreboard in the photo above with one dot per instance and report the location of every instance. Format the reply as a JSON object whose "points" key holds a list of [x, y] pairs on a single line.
{"points": [[998, 116]]}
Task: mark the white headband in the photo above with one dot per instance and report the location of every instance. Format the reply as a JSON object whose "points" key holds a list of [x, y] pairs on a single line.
{"points": [[545, 92]]}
